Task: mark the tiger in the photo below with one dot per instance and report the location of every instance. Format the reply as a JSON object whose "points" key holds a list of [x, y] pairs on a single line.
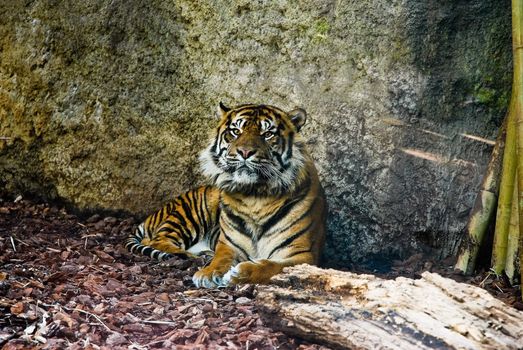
{"points": [[264, 208]]}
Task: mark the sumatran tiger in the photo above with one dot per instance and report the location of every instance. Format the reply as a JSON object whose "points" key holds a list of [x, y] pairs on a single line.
{"points": [[264, 210]]}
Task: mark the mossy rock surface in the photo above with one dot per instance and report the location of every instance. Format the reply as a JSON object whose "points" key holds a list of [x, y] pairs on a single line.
{"points": [[106, 104]]}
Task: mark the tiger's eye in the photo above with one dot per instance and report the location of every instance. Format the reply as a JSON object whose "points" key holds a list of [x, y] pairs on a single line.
{"points": [[268, 135], [235, 132]]}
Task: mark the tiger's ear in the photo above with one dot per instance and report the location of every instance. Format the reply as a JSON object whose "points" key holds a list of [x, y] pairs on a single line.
{"points": [[298, 117], [222, 109]]}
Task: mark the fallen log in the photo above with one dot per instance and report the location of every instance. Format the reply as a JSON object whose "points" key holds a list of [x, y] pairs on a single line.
{"points": [[352, 311]]}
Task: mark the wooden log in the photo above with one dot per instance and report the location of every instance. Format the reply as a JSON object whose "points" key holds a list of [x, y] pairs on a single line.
{"points": [[351, 311]]}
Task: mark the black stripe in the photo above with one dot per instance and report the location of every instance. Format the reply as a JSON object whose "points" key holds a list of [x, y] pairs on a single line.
{"points": [[213, 237], [215, 159], [216, 139], [237, 222], [298, 253], [220, 136], [177, 202], [289, 240], [283, 144], [134, 238], [144, 250], [182, 230], [149, 223], [176, 226], [146, 229], [180, 217], [228, 121], [183, 223], [302, 216], [188, 213], [175, 239], [165, 229], [129, 244], [221, 151], [133, 245], [201, 212], [155, 253], [157, 218], [287, 206], [205, 209], [289, 145], [235, 245], [192, 206], [164, 212], [186, 241], [139, 234], [278, 158]]}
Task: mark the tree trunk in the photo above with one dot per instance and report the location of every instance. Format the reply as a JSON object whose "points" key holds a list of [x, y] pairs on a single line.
{"points": [[347, 310]]}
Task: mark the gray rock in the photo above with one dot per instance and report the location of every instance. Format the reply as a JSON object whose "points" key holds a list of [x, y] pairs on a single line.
{"points": [[106, 104]]}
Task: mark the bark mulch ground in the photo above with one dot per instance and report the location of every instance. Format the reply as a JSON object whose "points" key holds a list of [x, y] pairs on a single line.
{"points": [[69, 283]]}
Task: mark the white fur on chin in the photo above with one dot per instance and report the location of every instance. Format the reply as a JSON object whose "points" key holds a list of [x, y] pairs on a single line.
{"points": [[278, 182]]}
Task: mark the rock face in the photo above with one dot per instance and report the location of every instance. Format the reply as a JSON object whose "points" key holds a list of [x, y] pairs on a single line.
{"points": [[106, 104]]}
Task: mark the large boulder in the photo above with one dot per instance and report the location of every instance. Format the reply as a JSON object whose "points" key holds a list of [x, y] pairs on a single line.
{"points": [[106, 104]]}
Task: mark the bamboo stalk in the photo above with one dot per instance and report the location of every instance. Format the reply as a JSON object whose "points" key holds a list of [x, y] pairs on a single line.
{"points": [[513, 239], [521, 262], [506, 193], [484, 208], [517, 88]]}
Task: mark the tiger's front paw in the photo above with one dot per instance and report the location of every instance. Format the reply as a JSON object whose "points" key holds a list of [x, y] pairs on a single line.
{"points": [[244, 272], [209, 278], [259, 271], [233, 276]]}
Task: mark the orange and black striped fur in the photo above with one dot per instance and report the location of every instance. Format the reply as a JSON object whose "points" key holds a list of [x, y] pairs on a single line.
{"points": [[264, 210]]}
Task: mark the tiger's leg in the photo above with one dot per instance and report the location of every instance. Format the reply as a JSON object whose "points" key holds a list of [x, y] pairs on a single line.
{"points": [[181, 227], [261, 271], [212, 276], [168, 240]]}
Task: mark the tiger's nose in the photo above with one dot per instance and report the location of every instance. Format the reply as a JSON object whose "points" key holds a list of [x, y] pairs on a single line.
{"points": [[246, 153]]}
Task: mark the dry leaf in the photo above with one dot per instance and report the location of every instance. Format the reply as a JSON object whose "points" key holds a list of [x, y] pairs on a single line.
{"points": [[17, 308], [115, 339], [60, 316]]}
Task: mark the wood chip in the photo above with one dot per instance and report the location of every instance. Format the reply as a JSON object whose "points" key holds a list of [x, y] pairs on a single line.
{"points": [[91, 287]]}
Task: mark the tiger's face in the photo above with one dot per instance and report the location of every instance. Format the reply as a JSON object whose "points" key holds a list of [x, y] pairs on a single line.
{"points": [[256, 149]]}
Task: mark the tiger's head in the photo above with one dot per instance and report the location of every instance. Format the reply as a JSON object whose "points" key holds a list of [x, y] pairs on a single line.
{"points": [[256, 149]]}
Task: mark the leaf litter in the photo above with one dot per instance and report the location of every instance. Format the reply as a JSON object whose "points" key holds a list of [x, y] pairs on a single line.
{"points": [[69, 283]]}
